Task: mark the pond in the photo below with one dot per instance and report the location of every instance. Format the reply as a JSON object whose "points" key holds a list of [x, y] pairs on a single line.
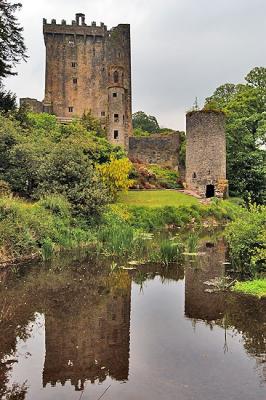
{"points": [[76, 330]]}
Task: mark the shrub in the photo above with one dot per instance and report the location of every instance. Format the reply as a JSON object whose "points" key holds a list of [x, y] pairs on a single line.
{"points": [[246, 238], [69, 172], [5, 189], [116, 174], [166, 177], [40, 228]]}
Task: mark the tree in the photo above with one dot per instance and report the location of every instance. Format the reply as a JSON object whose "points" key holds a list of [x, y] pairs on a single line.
{"points": [[245, 107], [116, 175], [257, 77], [145, 122], [12, 47], [7, 100], [69, 172]]}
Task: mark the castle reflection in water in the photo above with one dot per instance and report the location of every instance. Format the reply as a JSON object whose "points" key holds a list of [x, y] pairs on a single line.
{"points": [[87, 316]]}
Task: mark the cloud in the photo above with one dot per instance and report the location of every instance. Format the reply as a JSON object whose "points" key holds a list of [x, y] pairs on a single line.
{"points": [[180, 48]]}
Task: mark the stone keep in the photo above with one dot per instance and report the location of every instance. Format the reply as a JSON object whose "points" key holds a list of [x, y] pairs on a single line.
{"points": [[88, 68], [206, 153]]}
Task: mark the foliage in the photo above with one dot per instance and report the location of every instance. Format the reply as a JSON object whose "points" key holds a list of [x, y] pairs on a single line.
{"points": [[69, 171], [247, 240], [170, 251], [166, 177], [38, 156], [4, 189], [92, 124], [7, 100], [245, 106], [43, 227], [140, 132], [146, 123], [162, 216], [12, 48], [116, 174], [256, 287], [192, 243], [182, 149]]}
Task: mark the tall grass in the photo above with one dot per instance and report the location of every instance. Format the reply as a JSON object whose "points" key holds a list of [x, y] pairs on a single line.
{"points": [[38, 229]]}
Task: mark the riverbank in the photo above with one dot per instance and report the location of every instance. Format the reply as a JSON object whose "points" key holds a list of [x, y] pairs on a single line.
{"points": [[256, 287], [41, 229]]}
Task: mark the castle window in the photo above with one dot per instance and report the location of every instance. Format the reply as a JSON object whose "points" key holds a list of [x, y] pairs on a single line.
{"points": [[74, 65], [194, 175], [123, 118], [70, 109], [75, 81], [119, 54], [116, 118], [115, 134], [114, 94], [102, 113], [116, 77]]}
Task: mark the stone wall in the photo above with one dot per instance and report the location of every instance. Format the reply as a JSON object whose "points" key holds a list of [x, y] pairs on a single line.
{"points": [[88, 68], [206, 153], [33, 104], [155, 149]]}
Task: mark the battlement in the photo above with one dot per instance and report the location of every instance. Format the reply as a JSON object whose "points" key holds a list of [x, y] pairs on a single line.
{"points": [[76, 25]]}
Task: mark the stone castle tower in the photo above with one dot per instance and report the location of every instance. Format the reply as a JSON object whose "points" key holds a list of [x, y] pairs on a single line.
{"points": [[88, 68], [206, 153]]}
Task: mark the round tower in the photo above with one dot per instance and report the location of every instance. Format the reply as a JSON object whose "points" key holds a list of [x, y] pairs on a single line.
{"points": [[206, 153]]}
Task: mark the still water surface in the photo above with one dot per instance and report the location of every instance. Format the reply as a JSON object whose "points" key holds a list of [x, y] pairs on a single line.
{"points": [[76, 331]]}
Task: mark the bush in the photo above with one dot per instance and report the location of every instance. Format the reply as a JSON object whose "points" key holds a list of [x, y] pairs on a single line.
{"points": [[41, 228], [166, 177], [116, 174], [247, 240], [4, 189], [69, 172]]}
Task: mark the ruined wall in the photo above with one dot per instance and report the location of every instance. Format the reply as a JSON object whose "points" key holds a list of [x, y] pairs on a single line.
{"points": [[89, 68], [33, 104], [155, 149], [206, 153]]}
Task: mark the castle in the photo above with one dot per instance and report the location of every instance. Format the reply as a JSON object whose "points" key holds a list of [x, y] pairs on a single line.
{"points": [[88, 69]]}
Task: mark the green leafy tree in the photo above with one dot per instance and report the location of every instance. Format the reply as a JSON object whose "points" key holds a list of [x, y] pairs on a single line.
{"points": [[69, 172], [12, 47], [145, 122], [7, 100], [245, 109]]}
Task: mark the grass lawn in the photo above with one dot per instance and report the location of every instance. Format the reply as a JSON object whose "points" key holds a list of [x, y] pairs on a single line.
{"points": [[256, 287], [157, 198]]}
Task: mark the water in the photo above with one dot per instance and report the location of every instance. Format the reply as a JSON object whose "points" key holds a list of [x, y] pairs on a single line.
{"points": [[75, 331]]}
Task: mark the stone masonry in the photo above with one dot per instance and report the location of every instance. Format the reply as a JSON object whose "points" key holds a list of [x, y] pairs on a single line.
{"points": [[155, 149], [206, 153], [88, 68]]}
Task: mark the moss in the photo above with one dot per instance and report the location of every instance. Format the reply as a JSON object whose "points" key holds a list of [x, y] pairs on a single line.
{"points": [[190, 113]]}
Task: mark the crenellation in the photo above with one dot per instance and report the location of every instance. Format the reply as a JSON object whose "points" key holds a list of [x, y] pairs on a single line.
{"points": [[89, 69]]}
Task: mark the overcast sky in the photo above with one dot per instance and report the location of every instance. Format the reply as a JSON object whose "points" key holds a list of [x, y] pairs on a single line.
{"points": [[180, 48]]}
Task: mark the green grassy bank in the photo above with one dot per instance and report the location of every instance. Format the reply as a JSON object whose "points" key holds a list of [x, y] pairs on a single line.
{"points": [[29, 230], [157, 198], [255, 287]]}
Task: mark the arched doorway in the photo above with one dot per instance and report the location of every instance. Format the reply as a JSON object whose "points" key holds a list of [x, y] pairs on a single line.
{"points": [[209, 191]]}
